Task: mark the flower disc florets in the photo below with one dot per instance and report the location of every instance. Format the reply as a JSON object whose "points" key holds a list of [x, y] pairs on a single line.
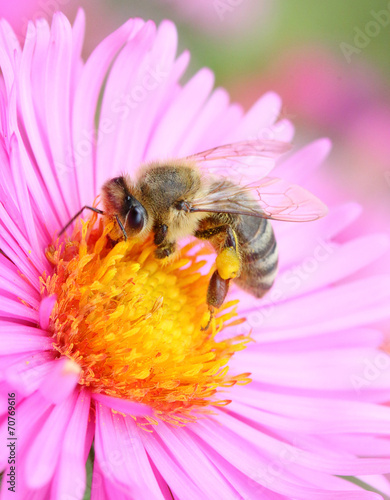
{"points": [[134, 326]]}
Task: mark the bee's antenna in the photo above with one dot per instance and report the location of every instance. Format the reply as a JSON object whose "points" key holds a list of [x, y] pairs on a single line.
{"points": [[121, 226], [79, 212]]}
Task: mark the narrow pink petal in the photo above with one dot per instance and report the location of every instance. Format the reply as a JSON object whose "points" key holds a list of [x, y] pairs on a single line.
{"points": [[70, 478], [19, 259], [337, 220], [57, 103], [232, 431], [9, 40], [13, 328], [180, 484], [22, 491], [85, 105], [300, 166], [11, 233], [30, 414], [353, 304], [194, 462], [282, 130], [10, 308], [7, 288], [143, 97], [105, 488], [60, 383], [165, 96], [368, 446], [180, 115], [248, 485], [248, 459], [28, 372], [6, 362], [123, 405], [205, 123], [340, 339], [7, 70], [258, 120], [325, 416], [132, 471], [25, 203], [45, 309], [32, 71], [327, 265], [123, 92], [167, 493], [78, 33], [381, 483], [11, 343], [328, 368], [43, 454], [9, 272]]}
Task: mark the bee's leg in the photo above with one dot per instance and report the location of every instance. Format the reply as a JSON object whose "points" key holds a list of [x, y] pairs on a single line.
{"points": [[216, 294], [160, 233], [228, 260], [78, 213], [228, 267], [165, 250]]}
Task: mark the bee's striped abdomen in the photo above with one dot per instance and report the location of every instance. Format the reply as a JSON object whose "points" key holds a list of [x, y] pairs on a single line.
{"points": [[259, 255]]}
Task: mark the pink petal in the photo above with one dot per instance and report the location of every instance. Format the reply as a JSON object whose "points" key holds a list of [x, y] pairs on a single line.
{"points": [[257, 122], [327, 265], [70, 478], [14, 342], [180, 115], [123, 406], [300, 166], [60, 383], [43, 454], [120, 96], [45, 309], [353, 304], [32, 70], [194, 463], [171, 471], [131, 470], [85, 105], [10, 308], [27, 372]]}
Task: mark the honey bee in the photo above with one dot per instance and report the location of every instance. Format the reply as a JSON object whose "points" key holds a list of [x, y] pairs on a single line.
{"points": [[184, 197]]}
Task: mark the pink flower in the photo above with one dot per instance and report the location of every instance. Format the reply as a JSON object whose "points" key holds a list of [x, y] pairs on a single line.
{"points": [[220, 15], [314, 410]]}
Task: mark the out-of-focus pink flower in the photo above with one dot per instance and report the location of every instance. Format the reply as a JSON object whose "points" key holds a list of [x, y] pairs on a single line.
{"points": [[348, 102], [221, 15], [313, 411]]}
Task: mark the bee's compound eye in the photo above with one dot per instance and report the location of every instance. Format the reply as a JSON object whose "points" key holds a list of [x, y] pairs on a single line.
{"points": [[136, 218]]}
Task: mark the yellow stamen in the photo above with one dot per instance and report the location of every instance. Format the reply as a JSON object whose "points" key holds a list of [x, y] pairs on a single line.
{"points": [[134, 326]]}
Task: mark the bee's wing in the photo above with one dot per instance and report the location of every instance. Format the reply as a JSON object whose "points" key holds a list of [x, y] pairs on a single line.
{"points": [[241, 159], [271, 198]]}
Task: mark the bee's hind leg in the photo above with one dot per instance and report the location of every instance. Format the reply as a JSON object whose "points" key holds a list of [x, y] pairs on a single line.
{"points": [[216, 294], [228, 267]]}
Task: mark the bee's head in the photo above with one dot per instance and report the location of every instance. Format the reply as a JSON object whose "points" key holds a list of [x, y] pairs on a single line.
{"points": [[119, 201]]}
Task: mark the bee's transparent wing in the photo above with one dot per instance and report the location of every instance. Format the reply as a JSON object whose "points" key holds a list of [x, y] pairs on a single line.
{"points": [[271, 198], [241, 160]]}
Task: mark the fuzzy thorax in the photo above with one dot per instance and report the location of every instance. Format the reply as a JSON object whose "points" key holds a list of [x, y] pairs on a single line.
{"points": [[134, 326]]}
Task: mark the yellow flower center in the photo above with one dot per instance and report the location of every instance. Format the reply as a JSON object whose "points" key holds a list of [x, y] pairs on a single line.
{"points": [[133, 324]]}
